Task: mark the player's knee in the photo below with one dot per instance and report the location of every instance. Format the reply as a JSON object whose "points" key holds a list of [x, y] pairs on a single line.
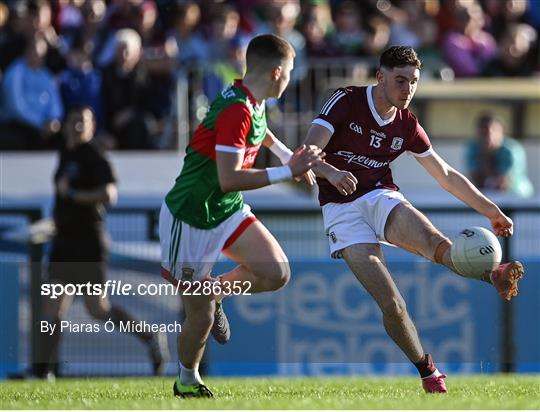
{"points": [[280, 275], [394, 308], [284, 274]]}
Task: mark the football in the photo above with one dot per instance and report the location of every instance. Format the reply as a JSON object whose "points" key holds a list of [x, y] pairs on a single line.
{"points": [[475, 252]]}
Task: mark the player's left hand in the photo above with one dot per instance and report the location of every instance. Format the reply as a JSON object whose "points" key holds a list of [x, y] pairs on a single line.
{"points": [[502, 225], [309, 176]]}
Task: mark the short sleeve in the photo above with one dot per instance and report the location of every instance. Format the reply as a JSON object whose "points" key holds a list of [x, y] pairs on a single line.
{"points": [[420, 146], [232, 128], [334, 111]]}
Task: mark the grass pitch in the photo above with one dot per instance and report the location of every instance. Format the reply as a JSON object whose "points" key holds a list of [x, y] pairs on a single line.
{"points": [[466, 392]]}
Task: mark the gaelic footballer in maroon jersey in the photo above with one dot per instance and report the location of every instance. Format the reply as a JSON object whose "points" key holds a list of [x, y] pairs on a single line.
{"points": [[362, 130], [365, 144]]}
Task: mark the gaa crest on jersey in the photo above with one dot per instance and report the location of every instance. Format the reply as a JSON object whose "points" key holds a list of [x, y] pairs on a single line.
{"points": [[397, 142]]}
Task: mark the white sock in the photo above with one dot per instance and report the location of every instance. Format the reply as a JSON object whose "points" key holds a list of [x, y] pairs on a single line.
{"points": [[435, 374], [189, 376]]}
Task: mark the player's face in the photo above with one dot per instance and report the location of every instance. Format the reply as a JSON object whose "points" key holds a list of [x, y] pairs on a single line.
{"points": [[79, 126], [285, 75], [399, 85]]}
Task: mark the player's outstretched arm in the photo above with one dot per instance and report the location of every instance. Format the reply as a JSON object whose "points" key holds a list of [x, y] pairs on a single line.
{"points": [[461, 187], [345, 182], [233, 178]]}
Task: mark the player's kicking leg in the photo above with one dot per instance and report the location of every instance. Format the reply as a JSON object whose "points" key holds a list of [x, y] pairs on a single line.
{"points": [[409, 229], [367, 263]]}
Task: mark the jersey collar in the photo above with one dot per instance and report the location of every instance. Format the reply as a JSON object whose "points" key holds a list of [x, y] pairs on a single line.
{"points": [[380, 121], [238, 83]]}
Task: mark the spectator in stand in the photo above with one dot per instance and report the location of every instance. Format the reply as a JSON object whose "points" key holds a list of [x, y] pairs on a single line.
{"points": [[40, 14], [282, 16], [349, 36], [223, 72], [412, 25], [496, 162], [191, 46], [467, 48], [67, 16], [317, 43], [377, 34], [124, 93], [158, 61], [248, 10], [92, 13], [500, 14], [14, 35], [120, 14], [224, 26], [317, 27], [516, 53], [80, 83], [31, 101]]}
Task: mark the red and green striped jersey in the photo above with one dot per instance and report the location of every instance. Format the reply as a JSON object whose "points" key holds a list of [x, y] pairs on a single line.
{"points": [[234, 123]]}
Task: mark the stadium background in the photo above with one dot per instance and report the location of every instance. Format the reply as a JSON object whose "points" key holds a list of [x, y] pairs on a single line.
{"points": [[322, 323]]}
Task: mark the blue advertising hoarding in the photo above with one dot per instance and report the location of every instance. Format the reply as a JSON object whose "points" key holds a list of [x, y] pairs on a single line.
{"points": [[324, 323]]}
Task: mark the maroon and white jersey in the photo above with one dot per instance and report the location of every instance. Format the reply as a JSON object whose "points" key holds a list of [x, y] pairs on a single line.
{"points": [[365, 144]]}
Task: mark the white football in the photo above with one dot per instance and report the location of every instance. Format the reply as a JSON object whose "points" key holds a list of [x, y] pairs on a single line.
{"points": [[475, 252]]}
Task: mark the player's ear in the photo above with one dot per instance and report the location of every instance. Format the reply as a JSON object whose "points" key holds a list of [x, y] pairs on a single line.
{"points": [[379, 76], [276, 72]]}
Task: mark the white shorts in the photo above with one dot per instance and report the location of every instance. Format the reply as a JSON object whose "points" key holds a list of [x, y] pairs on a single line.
{"points": [[360, 221], [189, 253]]}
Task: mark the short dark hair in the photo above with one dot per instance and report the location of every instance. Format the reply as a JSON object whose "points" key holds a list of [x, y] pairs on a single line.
{"points": [[265, 49], [486, 119], [399, 56]]}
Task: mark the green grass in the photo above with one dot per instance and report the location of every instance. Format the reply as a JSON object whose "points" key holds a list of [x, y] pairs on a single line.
{"points": [[465, 392]]}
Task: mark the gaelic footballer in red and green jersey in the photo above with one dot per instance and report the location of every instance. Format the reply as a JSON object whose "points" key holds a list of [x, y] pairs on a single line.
{"points": [[235, 123]]}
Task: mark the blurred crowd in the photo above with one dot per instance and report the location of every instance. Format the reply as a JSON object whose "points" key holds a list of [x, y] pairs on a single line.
{"points": [[122, 57]]}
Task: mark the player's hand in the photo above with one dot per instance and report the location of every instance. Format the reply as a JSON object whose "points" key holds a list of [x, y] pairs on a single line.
{"points": [[304, 158], [502, 225], [343, 181], [309, 176]]}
